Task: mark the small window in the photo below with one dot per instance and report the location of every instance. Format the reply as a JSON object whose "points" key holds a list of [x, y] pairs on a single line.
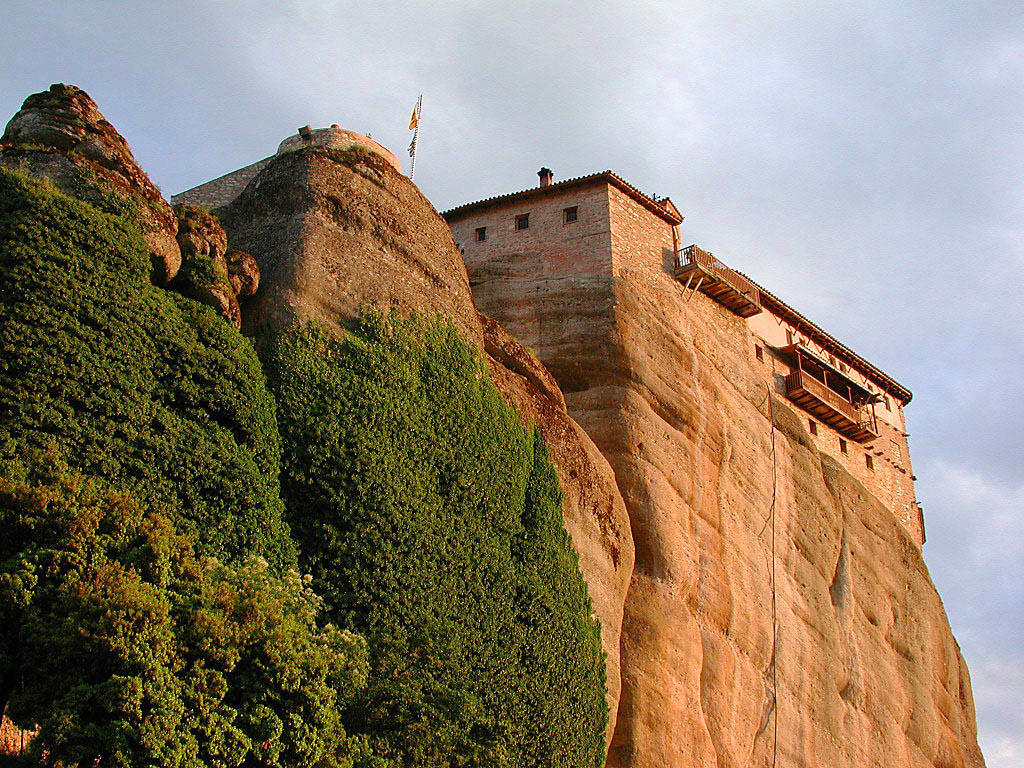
{"points": [[481, 234], [523, 221], [570, 214], [843, 448], [789, 337], [896, 451], [869, 462], [759, 352], [886, 399], [813, 426], [842, 367]]}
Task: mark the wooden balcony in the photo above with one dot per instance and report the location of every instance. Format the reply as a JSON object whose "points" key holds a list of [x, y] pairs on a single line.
{"points": [[855, 421], [702, 272]]}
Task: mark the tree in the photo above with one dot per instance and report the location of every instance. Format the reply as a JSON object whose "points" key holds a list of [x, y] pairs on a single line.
{"points": [[122, 644]]}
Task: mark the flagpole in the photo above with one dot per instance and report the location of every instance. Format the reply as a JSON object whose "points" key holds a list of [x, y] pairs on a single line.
{"points": [[415, 138]]}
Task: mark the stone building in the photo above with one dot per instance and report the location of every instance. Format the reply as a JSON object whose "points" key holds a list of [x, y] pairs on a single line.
{"points": [[575, 237], [224, 189]]}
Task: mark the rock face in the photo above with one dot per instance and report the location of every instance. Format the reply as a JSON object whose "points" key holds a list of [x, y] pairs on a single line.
{"points": [[209, 273], [863, 669], [61, 135], [338, 231]]}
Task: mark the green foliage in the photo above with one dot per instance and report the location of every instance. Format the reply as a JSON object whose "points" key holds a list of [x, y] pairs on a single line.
{"points": [[431, 521], [121, 643], [146, 389]]}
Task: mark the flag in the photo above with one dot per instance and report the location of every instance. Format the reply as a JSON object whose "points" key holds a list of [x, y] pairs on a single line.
{"points": [[415, 119], [412, 148]]}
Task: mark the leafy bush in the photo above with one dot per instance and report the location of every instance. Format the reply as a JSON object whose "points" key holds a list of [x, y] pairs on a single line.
{"points": [[149, 390], [121, 644], [431, 521]]}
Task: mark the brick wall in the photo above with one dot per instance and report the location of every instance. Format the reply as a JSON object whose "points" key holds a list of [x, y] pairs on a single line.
{"points": [[641, 241], [560, 248], [557, 269]]}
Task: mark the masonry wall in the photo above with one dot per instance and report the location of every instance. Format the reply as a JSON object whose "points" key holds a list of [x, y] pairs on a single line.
{"points": [[223, 189], [567, 268], [565, 265], [641, 241]]}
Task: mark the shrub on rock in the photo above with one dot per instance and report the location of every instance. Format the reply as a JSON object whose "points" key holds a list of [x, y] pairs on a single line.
{"points": [[133, 384], [430, 519]]}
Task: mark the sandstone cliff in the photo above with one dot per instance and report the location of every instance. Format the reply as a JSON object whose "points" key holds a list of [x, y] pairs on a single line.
{"points": [[866, 669], [665, 439], [335, 232]]}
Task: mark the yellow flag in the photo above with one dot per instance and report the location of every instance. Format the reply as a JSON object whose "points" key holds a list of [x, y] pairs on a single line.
{"points": [[415, 117]]}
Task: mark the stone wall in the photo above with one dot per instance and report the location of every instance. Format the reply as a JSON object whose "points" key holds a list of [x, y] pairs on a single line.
{"points": [[225, 189], [222, 190]]}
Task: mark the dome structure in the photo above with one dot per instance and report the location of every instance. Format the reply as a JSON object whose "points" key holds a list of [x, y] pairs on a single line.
{"points": [[338, 138]]}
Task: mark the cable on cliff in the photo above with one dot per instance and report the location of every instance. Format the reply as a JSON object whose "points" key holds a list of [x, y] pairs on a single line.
{"points": [[775, 626]]}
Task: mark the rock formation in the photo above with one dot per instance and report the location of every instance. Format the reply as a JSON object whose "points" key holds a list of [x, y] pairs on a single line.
{"points": [[726, 492], [210, 273], [60, 134], [338, 231], [665, 439]]}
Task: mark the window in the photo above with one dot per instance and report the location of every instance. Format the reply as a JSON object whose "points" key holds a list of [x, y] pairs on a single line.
{"points": [[886, 399], [523, 221], [843, 368], [813, 426], [789, 337], [758, 352], [869, 462], [481, 234], [843, 449], [570, 214], [896, 451]]}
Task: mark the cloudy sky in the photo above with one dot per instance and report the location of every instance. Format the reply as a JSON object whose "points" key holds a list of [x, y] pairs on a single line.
{"points": [[864, 160]]}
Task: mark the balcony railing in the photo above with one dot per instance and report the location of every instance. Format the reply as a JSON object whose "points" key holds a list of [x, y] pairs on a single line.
{"points": [[703, 272], [832, 408]]}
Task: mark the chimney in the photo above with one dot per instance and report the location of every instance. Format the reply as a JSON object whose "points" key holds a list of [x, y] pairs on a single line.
{"points": [[545, 177], [306, 132]]}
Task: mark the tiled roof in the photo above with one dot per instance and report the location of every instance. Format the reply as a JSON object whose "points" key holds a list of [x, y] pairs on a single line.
{"points": [[778, 307], [663, 208]]}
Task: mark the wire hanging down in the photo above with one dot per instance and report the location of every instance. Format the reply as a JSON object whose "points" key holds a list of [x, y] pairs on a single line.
{"points": [[775, 624]]}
